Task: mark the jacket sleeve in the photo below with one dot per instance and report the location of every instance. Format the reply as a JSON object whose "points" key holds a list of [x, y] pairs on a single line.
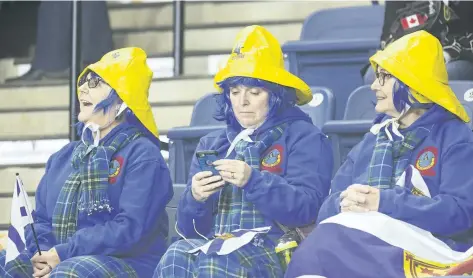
{"points": [[146, 191], [191, 212], [343, 178], [451, 210], [295, 198], [42, 222]]}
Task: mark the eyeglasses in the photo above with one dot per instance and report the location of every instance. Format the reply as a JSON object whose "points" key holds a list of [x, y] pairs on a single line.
{"points": [[382, 76], [92, 82]]}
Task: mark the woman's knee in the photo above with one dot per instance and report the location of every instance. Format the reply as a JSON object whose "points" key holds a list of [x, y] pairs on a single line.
{"points": [[68, 268], [20, 266], [220, 266], [179, 248], [177, 258], [92, 267]]}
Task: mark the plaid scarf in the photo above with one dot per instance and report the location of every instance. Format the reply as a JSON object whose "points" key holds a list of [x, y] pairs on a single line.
{"points": [[391, 158], [234, 211], [85, 190]]}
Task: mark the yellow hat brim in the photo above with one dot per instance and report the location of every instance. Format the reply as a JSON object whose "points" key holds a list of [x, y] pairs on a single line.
{"points": [[272, 74]]}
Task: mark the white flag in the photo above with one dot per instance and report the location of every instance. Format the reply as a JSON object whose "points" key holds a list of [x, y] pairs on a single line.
{"points": [[20, 218], [226, 244]]}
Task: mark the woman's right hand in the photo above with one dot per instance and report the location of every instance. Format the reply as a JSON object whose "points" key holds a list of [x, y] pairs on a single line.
{"points": [[205, 184]]}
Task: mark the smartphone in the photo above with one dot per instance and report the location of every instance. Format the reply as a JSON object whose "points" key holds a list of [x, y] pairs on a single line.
{"points": [[206, 160]]}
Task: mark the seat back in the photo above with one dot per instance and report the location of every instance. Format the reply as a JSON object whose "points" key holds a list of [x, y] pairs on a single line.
{"points": [[357, 120], [360, 104], [171, 209], [335, 45], [322, 106], [204, 110], [184, 140], [332, 64], [464, 92], [344, 23]]}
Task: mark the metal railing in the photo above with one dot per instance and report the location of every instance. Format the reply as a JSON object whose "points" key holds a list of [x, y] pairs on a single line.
{"points": [[76, 66]]}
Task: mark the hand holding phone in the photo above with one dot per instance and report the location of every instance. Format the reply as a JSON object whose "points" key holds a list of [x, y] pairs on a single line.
{"points": [[206, 160], [204, 183]]}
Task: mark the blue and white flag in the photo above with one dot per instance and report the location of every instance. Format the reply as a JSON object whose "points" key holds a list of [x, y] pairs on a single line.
{"points": [[227, 243], [372, 244], [20, 218]]}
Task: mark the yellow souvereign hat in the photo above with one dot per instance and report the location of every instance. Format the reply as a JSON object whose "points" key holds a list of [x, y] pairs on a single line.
{"points": [[417, 60], [126, 71], [257, 54]]}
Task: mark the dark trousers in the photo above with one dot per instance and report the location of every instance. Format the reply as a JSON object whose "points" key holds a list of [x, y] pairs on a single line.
{"points": [[53, 41]]}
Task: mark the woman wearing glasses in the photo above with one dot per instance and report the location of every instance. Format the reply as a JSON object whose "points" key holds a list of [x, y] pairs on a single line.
{"points": [[100, 207], [413, 167]]}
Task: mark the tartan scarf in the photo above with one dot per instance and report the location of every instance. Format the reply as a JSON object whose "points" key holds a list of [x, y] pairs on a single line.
{"points": [[85, 190], [391, 157], [234, 211]]}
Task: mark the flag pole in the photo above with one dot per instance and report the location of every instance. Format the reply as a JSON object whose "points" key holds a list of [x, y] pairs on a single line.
{"points": [[28, 211]]}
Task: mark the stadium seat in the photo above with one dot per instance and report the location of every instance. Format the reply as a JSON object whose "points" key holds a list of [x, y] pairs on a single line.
{"points": [[171, 209], [183, 140], [344, 23], [322, 107], [333, 49], [333, 64], [357, 120], [203, 112], [464, 92]]}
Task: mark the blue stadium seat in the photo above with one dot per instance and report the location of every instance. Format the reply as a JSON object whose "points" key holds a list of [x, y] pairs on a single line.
{"points": [[322, 107], [360, 104], [333, 64], [333, 49], [203, 112], [344, 23], [357, 120], [183, 140], [464, 92], [171, 209]]}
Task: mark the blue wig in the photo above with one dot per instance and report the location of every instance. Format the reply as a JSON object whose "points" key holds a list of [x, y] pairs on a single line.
{"points": [[280, 98], [402, 96]]}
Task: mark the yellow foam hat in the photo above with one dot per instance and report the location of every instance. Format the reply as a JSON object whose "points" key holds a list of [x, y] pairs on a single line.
{"points": [[417, 60], [127, 72], [257, 54]]}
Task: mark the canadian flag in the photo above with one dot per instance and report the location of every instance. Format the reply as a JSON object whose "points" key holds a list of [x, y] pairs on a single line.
{"points": [[413, 21]]}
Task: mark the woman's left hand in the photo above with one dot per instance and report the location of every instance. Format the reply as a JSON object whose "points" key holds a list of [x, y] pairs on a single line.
{"points": [[236, 172], [50, 257], [360, 198]]}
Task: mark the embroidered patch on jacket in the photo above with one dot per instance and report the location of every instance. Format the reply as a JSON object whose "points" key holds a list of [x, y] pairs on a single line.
{"points": [[115, 168], [426, 161], [272, 160]]}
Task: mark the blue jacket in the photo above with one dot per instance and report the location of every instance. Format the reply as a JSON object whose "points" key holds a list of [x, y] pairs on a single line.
{"points": [[290, 192], [448, 175], [139, 189]]}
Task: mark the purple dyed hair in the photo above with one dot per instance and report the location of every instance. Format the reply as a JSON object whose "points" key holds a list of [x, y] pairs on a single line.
{"points": [[280, 98], [402, 96]]}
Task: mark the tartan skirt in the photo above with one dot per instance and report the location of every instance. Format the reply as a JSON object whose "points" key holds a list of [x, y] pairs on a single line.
{"points": [[77, 267], [249, 261]]}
